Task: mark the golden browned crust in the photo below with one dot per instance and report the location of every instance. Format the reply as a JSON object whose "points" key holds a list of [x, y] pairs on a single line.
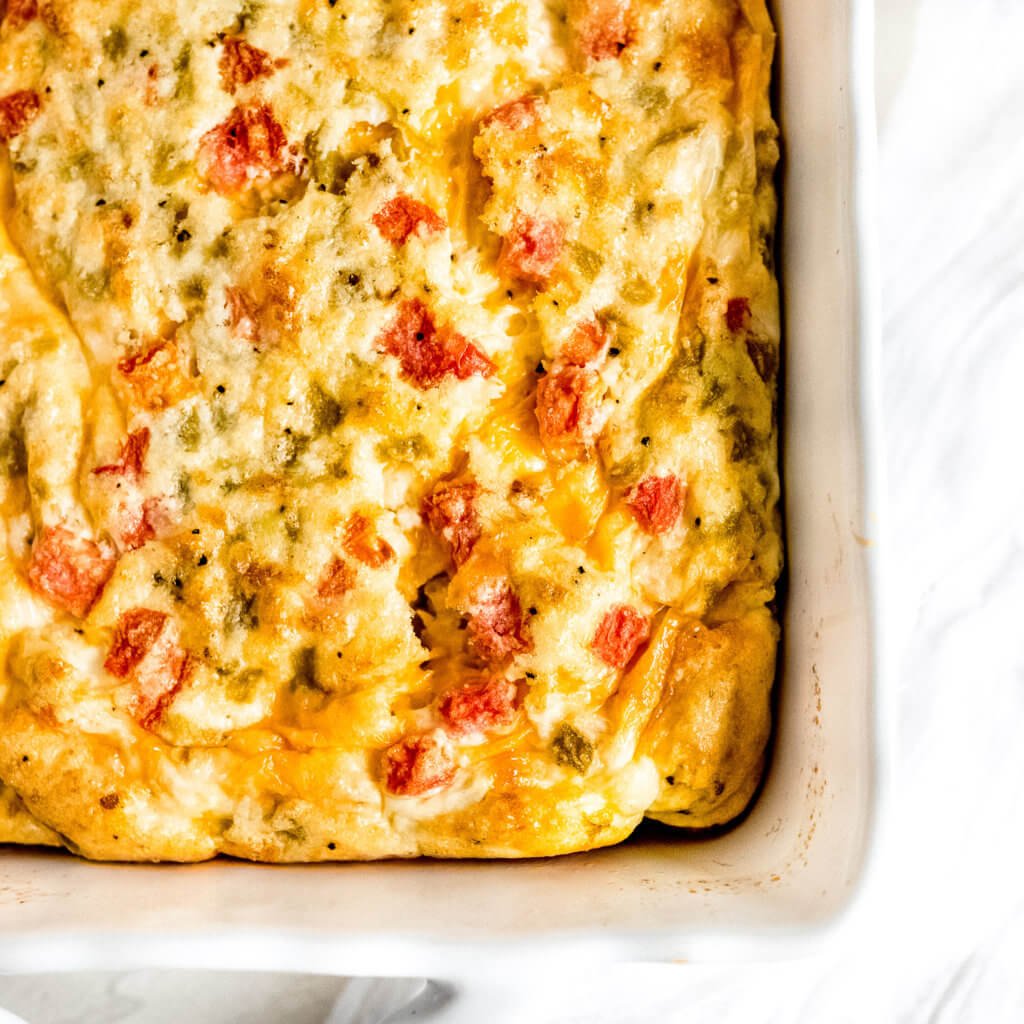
{"points": [[18, 826]]}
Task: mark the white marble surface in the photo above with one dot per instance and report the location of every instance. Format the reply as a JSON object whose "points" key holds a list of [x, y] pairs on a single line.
{"points": [[945, 939]]}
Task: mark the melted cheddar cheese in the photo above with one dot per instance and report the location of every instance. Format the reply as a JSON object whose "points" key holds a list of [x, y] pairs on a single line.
{"points": [[387, 423]]}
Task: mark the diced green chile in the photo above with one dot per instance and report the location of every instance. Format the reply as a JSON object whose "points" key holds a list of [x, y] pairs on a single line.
{"points": [[183, 489], [241, 612], [189, 431], [295, 832], [325, 408], [222, 419], [292, 525], [330, 169], [194, 288], [13, 457], [571, 748], [638, 291], [185, 88], [239, 686], [167, 164], [291, 447], [115, 43], [94, 285], [588, 261], [714, 389], [651, 97], [305, 673], [405, 449], [744, 442]]}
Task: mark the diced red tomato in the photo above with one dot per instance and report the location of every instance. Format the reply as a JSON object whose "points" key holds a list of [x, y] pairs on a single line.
{"points": [[403, 216], [17, 111], [145, 650], [480, 706], [601, 29], [133, 455], [158, 679], [531, 250], [68, 570], [247, 148], [155, 376], [264, 315], [464, 358], [517, 115], [363, 542], [136, 632], [622, 632], [151, 94], [737, 314], [450, 513], [133, 529], [21, 12], [564, 412], [586, 343], [429, 354], [336, 581], [241, 314], [138, 524], [242, 63], [497, 629], [418, 764], [656, 502]]}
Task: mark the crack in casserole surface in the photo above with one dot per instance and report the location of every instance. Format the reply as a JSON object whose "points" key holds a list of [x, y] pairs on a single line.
{"points": [[387, 424]]}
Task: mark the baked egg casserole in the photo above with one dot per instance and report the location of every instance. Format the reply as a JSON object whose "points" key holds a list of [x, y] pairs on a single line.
{"points": [[388, 442]]}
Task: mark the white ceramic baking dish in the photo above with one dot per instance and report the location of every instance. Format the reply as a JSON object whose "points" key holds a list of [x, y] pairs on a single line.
{"points": [[785, 873]]}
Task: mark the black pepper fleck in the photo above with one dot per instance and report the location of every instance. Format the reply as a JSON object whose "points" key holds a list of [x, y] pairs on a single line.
{"points": [[645, 441]]}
